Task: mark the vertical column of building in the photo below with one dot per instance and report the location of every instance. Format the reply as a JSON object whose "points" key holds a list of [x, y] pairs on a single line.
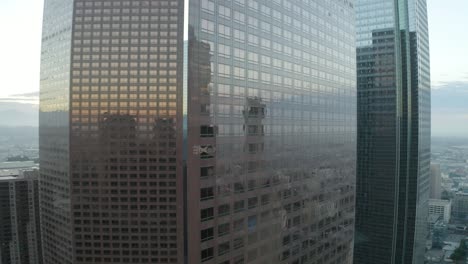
{"points": [[5, 222], [15, 215], [201, 180], [19, 239], [34, 236], [421, 109], [54, 132]]}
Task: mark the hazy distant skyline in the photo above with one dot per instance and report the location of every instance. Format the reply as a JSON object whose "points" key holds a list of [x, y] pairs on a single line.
{"points": [[21, 22]]}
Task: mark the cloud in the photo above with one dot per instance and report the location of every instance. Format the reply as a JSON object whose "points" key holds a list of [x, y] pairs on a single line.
{"points": [[451, 84], [33, 94], [25, 98]]}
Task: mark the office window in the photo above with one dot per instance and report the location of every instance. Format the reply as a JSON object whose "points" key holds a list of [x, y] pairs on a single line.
{"points": [[223, 229], [206, 193], [207, 234], [206, 214], [207, 254]]}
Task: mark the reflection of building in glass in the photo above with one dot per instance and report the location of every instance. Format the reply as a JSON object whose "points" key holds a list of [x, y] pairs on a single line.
{"points": [[393, 168], [110, 131], [272, 93], [438, 233], [436, 182], [460, 206], [268, 162], [20, 233]]}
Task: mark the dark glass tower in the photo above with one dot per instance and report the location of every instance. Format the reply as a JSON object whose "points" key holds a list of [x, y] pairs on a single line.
{"points": [[393, 167]]}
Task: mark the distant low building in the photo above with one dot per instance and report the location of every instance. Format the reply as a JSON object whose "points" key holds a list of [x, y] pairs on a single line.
{"points": [[442, 208], [434, 256], [20, 235]]}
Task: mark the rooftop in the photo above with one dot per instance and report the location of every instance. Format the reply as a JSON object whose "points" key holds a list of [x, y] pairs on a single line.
{"points": [[18, 165], [8, 172], [18, 174], [439, 202]]}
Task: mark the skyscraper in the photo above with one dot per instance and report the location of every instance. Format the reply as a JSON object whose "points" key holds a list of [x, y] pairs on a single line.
{"points": [[254, 161], [111, 131], [393, 167], [20, 234], [271, 131]]}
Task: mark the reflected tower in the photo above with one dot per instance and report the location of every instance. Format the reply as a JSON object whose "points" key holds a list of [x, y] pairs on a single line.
{"points": [[393, 168]]}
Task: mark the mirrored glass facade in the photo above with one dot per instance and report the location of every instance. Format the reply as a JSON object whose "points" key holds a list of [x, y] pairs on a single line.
{"points": [[393, 131], [111, 131], [252, 162], [271, 131]]}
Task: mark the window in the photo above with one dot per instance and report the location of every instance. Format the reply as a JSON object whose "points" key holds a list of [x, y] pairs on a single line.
{"points": [[253, 148], [206, 131], [206, 172], [253, 40], [206, 193], [238, 187], [207, 26], [224, 11], [265, 199], [223, 229], [252, 202], [206, 214], [207, 234], [251, 184], [239, 35], [206, 254], [224, 30], [253, 57], [239, 54], [239, 206], [239, 17], [252, 222], [207, 6], [238, 243], [252, 75], [224, 69], [223, 209], [224, 51], [223, 248], [253, 4], [239, 73]]}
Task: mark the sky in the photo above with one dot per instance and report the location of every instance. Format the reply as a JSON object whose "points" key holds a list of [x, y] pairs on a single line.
{"points": [[20, 28]]}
